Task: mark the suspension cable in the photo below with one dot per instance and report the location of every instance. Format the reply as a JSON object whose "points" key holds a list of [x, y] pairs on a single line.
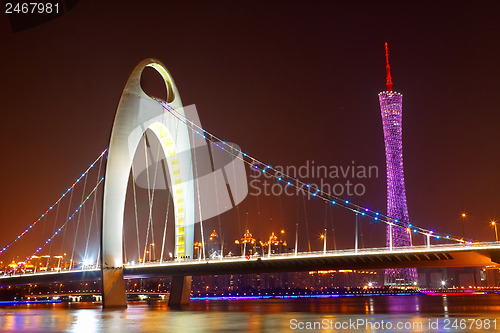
{"points": [[135, 212], [149, 198], [69, 219], [92, 212], [165, 227], [196, 176], [54, 205], [78, 219], [302, 186]]}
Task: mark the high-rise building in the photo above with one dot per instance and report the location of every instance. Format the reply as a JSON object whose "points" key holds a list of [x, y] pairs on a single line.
{"points": [[391, 103]]}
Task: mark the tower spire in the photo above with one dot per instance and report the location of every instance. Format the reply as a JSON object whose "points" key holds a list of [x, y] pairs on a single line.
{"points": [[388, 82]]}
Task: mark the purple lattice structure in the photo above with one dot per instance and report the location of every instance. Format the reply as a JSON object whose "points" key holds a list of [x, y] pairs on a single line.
{"points": [[391, 108]]}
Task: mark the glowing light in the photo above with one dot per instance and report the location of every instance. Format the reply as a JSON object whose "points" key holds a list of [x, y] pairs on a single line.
{"points": [[87, 262]]}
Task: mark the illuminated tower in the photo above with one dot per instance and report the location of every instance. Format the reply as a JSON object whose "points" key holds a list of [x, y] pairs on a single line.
{"points": [[391, 109]]}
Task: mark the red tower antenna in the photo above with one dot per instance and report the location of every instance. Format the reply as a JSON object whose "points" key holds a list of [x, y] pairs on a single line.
{"points": [[388, 82]]}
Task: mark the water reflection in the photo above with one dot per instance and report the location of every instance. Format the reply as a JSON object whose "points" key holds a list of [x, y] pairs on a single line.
{"points": [[247, 315]]}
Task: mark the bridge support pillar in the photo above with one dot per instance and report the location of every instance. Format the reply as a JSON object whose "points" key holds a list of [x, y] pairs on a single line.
{"points": [[180, 291], [113, 288]]}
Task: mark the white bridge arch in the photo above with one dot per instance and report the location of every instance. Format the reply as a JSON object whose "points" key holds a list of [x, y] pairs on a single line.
{"points": [[136, 113]]}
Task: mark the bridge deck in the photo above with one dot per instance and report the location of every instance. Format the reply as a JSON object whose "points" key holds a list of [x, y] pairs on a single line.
{"points": [[478, 254]]}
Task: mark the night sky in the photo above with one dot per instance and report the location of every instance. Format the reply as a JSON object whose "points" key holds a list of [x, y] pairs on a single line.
{"points": [[288, 81]]}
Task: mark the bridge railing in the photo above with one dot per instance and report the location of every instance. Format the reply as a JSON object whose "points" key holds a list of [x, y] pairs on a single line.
{"points": [[418, 248]]}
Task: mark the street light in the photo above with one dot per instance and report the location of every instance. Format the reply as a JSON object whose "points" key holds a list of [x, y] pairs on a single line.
{"points": [[463, 226], [443, 283], [323, 237], [494, 223]]}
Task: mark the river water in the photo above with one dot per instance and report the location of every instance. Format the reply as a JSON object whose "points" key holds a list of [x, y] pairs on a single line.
{"points": [[416, 313]]}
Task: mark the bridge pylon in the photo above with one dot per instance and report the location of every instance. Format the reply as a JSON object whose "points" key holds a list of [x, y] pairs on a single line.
{"points": [[136, 113]]}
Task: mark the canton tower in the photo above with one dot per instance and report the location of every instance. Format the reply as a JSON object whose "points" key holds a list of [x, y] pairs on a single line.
{"points": [[391, 108]]}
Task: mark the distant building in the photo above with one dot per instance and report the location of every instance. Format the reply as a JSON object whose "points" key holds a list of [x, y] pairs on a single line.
{"points": [[246, 245], [214, 246], [391, 103]]}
